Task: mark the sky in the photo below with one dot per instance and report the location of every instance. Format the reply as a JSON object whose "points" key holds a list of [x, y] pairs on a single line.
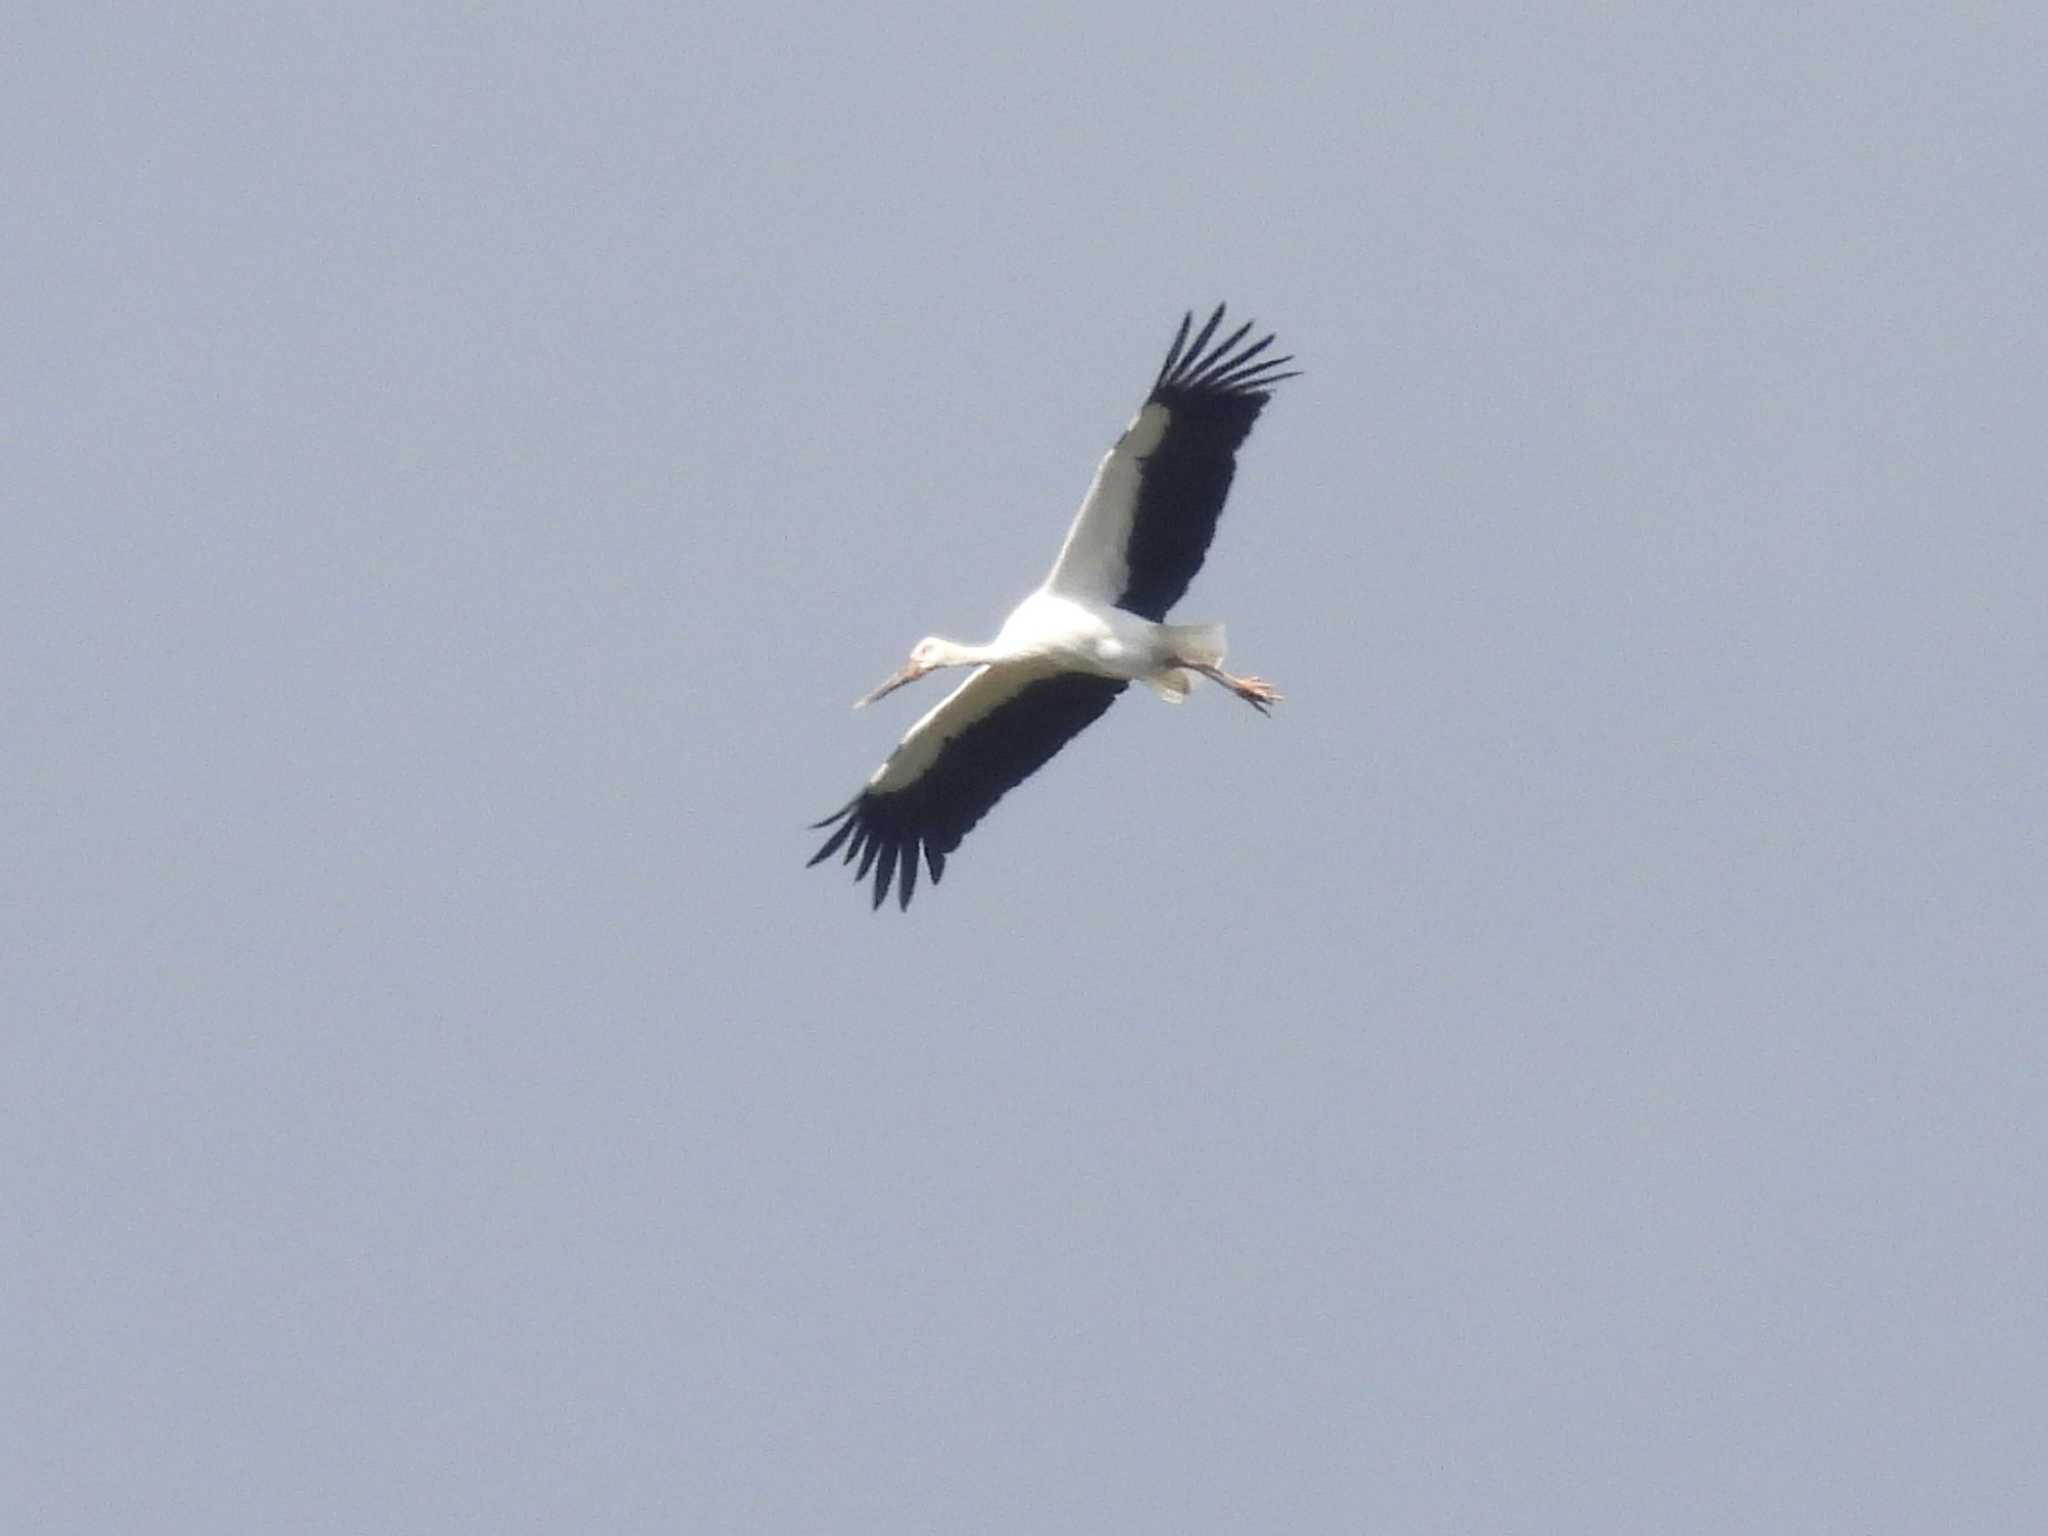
{"points": [[1577, 1067]]}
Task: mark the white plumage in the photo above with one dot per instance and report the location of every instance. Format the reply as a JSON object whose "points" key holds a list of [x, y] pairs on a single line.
{"points": [[1094, 626]]}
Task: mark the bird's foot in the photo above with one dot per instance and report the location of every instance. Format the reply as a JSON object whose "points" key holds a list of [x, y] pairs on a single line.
{"points": [[1257, 692]]}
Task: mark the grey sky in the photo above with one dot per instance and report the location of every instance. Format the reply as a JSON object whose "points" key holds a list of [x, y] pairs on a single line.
{"points": [[1578, 1067]]}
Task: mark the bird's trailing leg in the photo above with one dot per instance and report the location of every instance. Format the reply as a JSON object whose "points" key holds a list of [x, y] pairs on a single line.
{"points": [[1255, 691]]}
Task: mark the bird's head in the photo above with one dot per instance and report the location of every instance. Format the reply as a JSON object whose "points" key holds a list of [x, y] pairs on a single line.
{"points": [[928, 653]]}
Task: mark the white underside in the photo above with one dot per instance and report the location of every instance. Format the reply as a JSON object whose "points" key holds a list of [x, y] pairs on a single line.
{"points": [[1091, 563], [1076, 634], [1047, 633]]}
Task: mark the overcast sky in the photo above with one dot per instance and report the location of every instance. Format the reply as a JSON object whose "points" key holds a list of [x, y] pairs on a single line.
{"points": [[1578, 1067]]}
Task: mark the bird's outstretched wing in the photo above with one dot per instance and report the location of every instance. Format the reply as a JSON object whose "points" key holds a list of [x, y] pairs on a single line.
{"points": [[1145, 526], [990, 734]]}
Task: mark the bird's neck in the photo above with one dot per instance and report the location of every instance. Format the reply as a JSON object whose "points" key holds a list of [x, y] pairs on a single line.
{"points": [[960, 654]]}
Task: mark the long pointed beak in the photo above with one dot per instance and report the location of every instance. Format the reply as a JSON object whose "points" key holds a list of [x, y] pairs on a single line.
{"points": [[911, 673]]}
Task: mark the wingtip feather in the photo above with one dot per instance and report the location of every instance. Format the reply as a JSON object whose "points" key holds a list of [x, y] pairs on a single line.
{"points": [[906, 877], [885, 872], [1202, 338], [831, 844], [1180, 337]]}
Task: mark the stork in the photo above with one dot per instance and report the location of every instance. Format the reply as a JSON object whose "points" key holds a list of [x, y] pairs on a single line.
{"points": [[1094, 626]]}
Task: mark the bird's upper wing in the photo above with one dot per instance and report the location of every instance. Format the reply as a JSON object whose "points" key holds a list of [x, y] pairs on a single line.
{"points": [[987, 736], [1146, 524]]}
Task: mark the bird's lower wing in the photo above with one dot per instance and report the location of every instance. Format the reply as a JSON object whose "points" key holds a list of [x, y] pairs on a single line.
{"points": [[990, 734]]}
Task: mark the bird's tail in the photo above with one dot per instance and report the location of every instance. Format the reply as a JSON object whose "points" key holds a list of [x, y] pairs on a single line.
{"points": [[1201, 644], [1171, 685]]}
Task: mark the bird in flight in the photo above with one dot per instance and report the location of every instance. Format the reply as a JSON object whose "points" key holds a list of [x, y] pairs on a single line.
{"points": [[1095, 625]]}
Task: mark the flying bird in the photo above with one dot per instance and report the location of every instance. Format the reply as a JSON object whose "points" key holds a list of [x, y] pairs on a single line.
{"points": [[1095, 625]]}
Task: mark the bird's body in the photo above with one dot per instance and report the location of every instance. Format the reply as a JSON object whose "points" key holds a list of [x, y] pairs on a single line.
{"points": [[1075, 634], [1093, 627]]}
